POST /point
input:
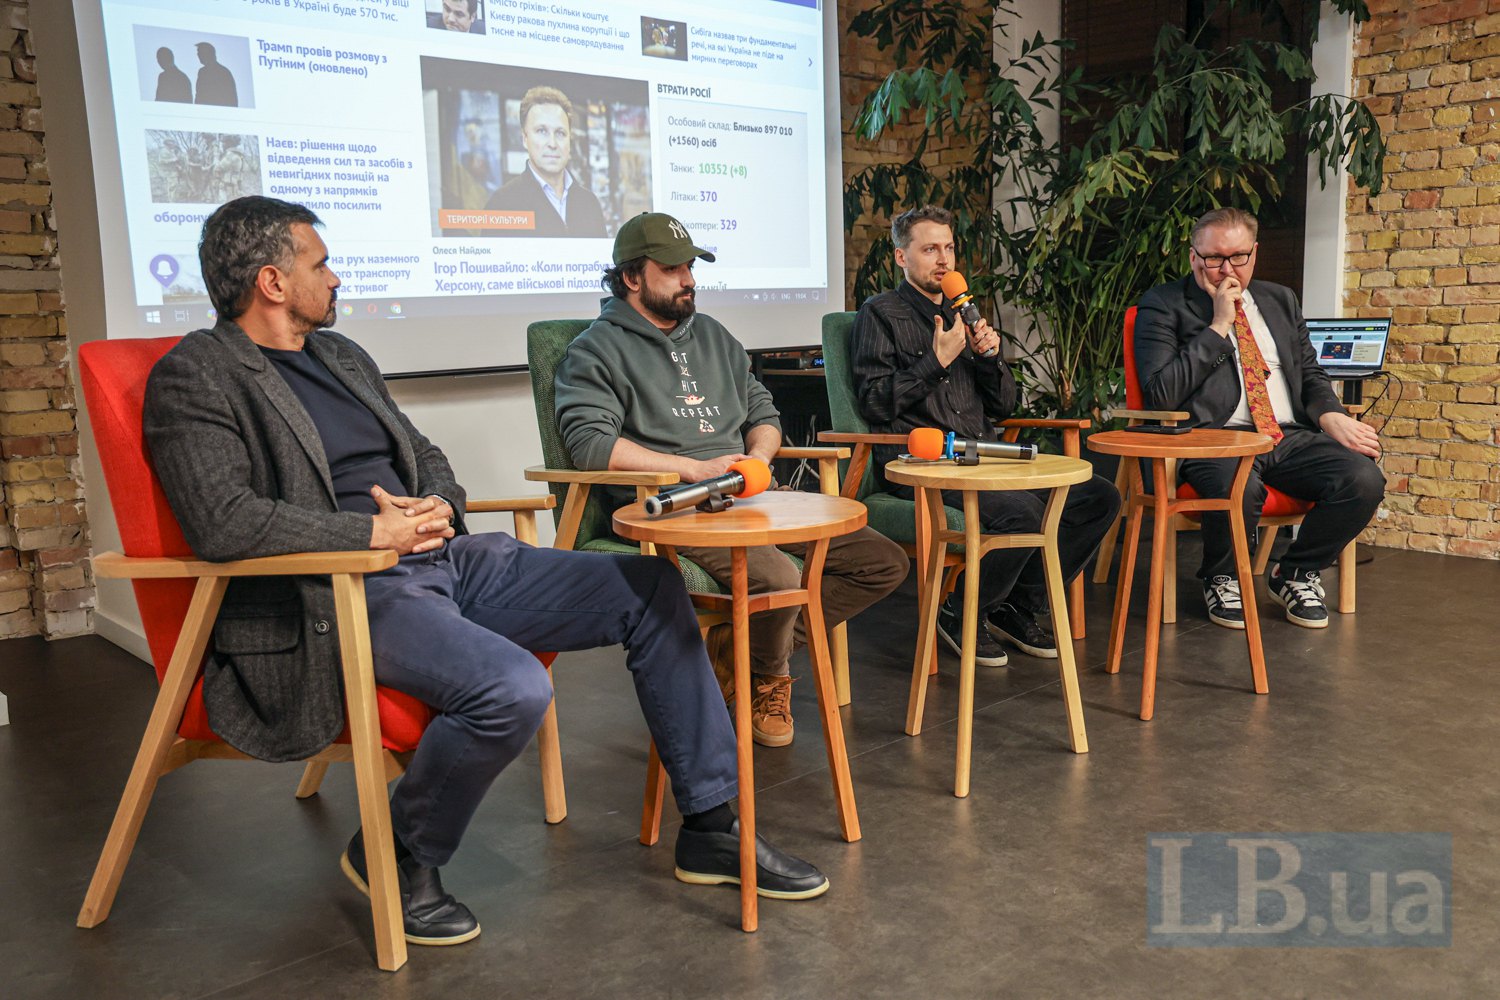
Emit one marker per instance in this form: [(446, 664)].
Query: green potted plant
[(1070, 235)]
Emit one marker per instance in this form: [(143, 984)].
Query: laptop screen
[(1349, 345)]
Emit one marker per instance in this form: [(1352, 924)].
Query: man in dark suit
[(458, 15), (215, 81), (560, 205), (272, 434), (1235, 353), (172, 84)]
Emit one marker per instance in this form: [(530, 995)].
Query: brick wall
[(1427, 252), (45, 583), (862, 66)]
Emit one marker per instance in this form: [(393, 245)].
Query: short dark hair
[(545, 95), (614, 277), (1226, 218), (902, 224), (240, 238)]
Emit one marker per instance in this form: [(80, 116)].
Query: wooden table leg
[(828, 703), (1134, 511), (1160, 537), (740, 589), (1246, 575), (929, 595), (971, 627), (1067, 667)]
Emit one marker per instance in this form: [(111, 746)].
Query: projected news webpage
[(466, 153)]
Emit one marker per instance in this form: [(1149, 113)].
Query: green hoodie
[(688, 392)]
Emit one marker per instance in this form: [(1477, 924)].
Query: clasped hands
[(410, 524)]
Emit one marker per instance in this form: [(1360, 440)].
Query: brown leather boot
[(771, 709)]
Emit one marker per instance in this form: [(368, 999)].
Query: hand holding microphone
[(744, 478), (933, 444), (956, 287)]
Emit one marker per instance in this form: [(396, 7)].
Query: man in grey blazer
[(1235, 353), (272, 434)]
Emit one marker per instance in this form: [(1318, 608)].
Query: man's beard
[(323, 322), (930, 285), (673, 307)]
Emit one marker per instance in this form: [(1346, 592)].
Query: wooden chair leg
[(1346, 579), (1169, 575), (549, 748), (1075, 608), (656, 784), (160, 733), (312, 778), (369, 770), (1264, 546), (838, 647), (1107, 547)]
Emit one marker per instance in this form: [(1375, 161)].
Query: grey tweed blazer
[(245, 472)]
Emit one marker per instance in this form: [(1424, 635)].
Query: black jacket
[(1184, 365), (523, 193), (244, 470), (900, 385)]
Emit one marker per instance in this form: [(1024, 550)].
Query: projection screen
[(452, 221)]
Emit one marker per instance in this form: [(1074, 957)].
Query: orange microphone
[(956, 287), (933, 445), (744, 478)]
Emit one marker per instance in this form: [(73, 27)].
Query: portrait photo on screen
[(516, 152), (663, 39), (193, 67), (205, 168), (463, 16)]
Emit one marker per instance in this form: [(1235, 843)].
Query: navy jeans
[(455, 628)]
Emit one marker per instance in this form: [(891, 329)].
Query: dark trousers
[(1345, 486), (1016, 576), (455, 628)]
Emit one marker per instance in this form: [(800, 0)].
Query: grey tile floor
[(1033, 886)]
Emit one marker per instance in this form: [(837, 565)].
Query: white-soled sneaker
[(1222, 595), (1300, 592)]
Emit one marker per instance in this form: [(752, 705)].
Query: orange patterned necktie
[(1253, 365)]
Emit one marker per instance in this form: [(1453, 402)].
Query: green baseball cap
[(659, 236)]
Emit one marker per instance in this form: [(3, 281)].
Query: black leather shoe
[(714, 859), (430, 915), (1021, 629)]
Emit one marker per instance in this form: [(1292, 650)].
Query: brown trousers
[(861, 568)]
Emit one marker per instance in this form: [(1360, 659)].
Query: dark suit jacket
[(1184, 365), (245, 471), (523, 193)]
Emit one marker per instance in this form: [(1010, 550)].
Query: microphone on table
[(932, 444), (744, 478), (956, 287)]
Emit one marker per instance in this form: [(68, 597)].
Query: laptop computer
[(1349, 348)]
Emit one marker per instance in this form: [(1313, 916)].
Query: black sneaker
[(430, 915), (987, 652), (1021, 629), (1301, 593), (707, 858), (1222, 595)]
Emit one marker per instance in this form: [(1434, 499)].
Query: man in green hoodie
[(655, 386)]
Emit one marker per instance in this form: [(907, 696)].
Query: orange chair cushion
[(1277, 504)]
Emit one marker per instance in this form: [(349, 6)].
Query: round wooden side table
[(1164, 451), (774, 518), (1047, 472)]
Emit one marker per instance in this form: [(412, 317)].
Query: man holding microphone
[(918, 364)]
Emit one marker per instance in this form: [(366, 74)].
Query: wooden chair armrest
[(499, 506), (115, 566), (850, 437), (839, 453), (542, 474), (1059, 423), (1165, 416)]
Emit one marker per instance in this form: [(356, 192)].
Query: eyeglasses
[(1213, 261)]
